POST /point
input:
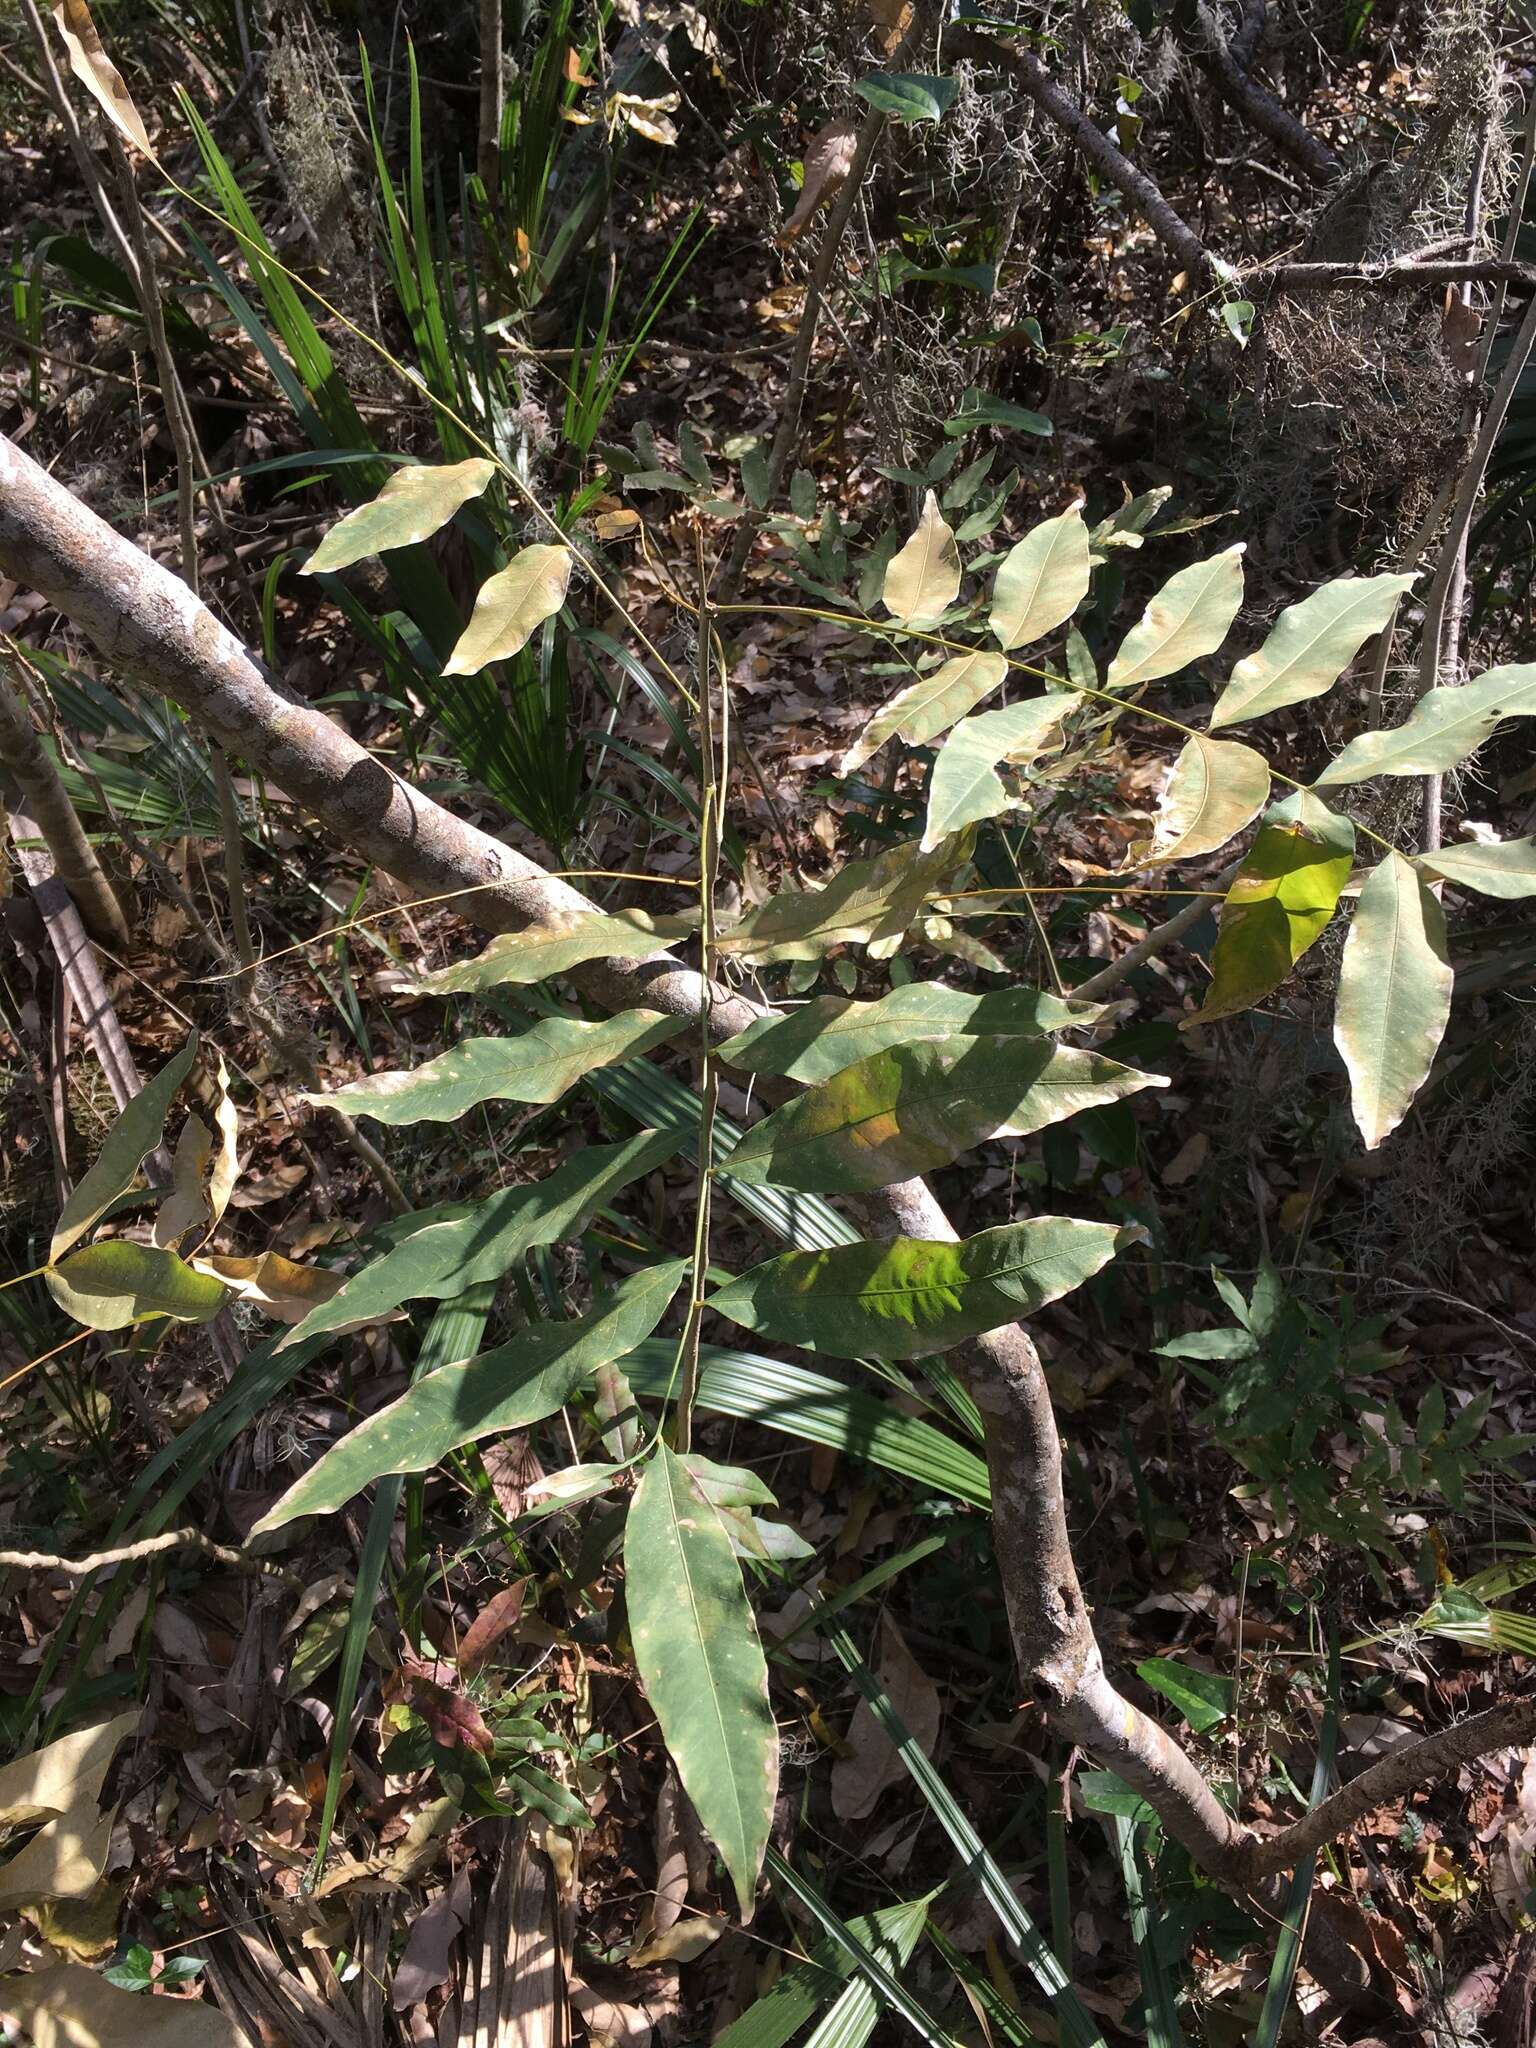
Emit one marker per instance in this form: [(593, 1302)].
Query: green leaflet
[(112, 1284), (1041, 581), (1442, 728), (701, 1663), (479, 1241), (817, 1410), (1394, 995), (915, 1107), (136, 1132), (928, 707), (536, 1064), (868, 901), (964, 787), (908, 1296), (1281, 902), (922, 579), (823, 1037), (1189, 617), (908, 96), (1506, 869), (414, 503), (1204, 1698), (1310, 646), (517, 1384), (1216, 788), (794, 1999), (541, 950), (511, 604)]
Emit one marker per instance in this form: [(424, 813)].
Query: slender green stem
[(714, 766), (1028, 668)]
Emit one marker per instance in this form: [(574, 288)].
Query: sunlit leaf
[(541, 950), (511, 604), (1189, 618), (62, 1775), (536, 1064), (916, 1107), (1204, 1698), (867, 901), (226, 1165), (824, 1036), (414, 504), (1507, 868), (1283, 898), (923, 578), (1042, 580), (965, 786), (473, 1241), (908, 1296), (112, 1284), (89, 61), (286, 1290), (71, 2006), (1443, 728), (908, 96), (701, 1663), (1394, 995), (136, 1132), (1310, 646), (1216, 788), (517, 1384), (926, 708)]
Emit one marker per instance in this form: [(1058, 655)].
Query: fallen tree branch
[(151, 1546), (1510, 1725), (1058, 105), (1403, 273), (26, 760), (1227, 63)]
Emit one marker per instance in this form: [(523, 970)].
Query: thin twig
[(150, 1546)]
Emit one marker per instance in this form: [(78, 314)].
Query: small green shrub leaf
[(511, 1387), (908, 96), (535, 1064), (511, 604), (1394, 995), (1507, 868), (1310, 646), (114, 1283), (914, 1108), (136, 1132), (1443, 728), (926, 708), (1204, 1698), (1216, 788), (965, 786), (908, 1296), (701, 1663), (1281, 902), (471, 1241), (538, 951), (413, 505), (813, 1043), (923, 579), (1189, 618), (1042, 580), (866, 902)]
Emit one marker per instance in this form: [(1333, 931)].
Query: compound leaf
[(413, 505), (1216, 788), (511, 604), (965, 787), (930, 706), (538, 951), (1443, 728), (1189, 617), (1042, 580), (1310, 646), (923, 578)]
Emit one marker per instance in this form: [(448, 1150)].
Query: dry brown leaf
[(859, 1778), (828, 160), (428, 1958), (98, 74), (501, 1612), (681, 1942), (73, 2007), (286, 1291)]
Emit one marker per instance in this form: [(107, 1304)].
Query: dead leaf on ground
[(428, 1958), (874, 1765)]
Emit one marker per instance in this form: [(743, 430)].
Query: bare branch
[(1402, 274), (1233, 79), (1510, 1725)]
